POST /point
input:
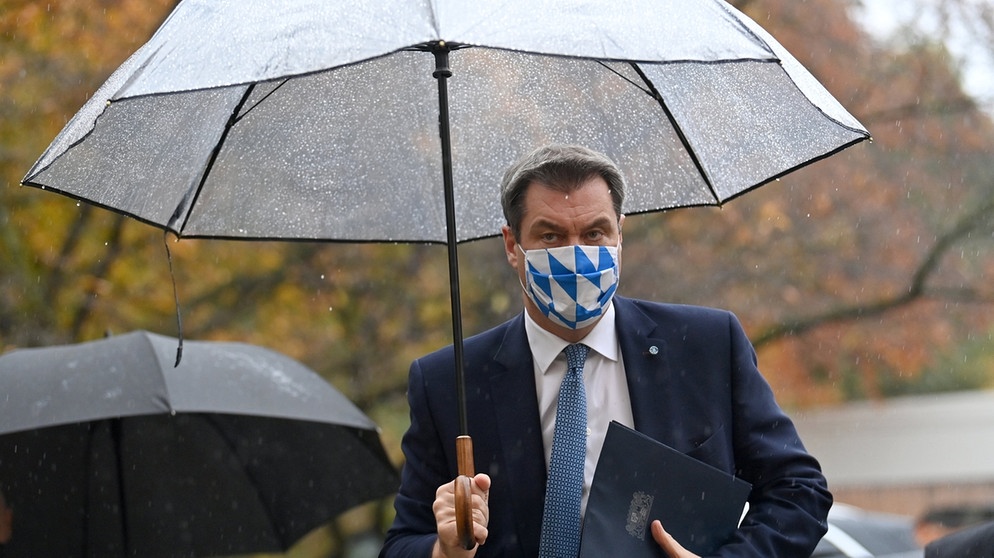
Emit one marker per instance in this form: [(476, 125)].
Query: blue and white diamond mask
[(571, 285)]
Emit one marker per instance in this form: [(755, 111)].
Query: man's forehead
[(593, 182)]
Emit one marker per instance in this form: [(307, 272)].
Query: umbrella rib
[(166, 400), (260, 101), (211, 419), (185, 206), (628, 79), (115, 435), (654, 93), (88, 465), (113, 427)]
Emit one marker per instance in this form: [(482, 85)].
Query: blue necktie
[(561, 517)]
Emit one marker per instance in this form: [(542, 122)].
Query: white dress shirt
[(604, 383)]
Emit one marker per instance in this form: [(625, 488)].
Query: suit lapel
[(512, 386), (646, 353)]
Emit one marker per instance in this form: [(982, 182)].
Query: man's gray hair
[(560, 167)]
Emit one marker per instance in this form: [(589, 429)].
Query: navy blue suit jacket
[(699, 392)]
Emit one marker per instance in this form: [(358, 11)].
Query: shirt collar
[(546, 346)]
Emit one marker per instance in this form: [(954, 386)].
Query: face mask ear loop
[(525, 256)]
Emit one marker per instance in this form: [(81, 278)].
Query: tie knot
[(576, 355)]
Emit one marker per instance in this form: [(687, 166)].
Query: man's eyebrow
[(547, 224), (600, 222)]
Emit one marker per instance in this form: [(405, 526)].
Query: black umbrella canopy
[(318, 120), (134, 374), (106, 449)]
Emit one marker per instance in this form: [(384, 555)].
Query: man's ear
[(509, 246)]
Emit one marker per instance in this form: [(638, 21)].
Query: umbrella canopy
[(266, 119), (317, 120), (106, 449)]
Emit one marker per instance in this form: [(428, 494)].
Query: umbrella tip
[(179, 353)]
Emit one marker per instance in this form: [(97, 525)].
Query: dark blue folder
[(638, 480)]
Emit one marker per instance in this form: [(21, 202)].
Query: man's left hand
[(668, 543)]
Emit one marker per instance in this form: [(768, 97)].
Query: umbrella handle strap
[(464, 492)]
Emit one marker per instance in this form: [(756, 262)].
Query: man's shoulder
[(498, 332), (669, 310), (486, 340)]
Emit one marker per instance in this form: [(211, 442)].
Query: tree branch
[(916, 287), (57, 274), (99, 271)]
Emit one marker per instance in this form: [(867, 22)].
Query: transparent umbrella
[(393, 121)]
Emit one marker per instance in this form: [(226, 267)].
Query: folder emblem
[(638, 514)]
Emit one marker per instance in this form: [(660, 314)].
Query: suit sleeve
[(414, 532), (790, 500)]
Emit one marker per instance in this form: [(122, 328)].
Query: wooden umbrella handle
[(464, 491)]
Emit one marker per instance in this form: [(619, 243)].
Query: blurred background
[(863, 280)]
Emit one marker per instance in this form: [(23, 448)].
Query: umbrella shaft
[(442, 73)]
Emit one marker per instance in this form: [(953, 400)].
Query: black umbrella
[(106, 449), (317, 120)]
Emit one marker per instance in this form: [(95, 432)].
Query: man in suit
[(684, 375)]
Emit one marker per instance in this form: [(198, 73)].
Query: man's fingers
[(668, 543), (662, 538), (482, 480), (481, 508), (445, 512)]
